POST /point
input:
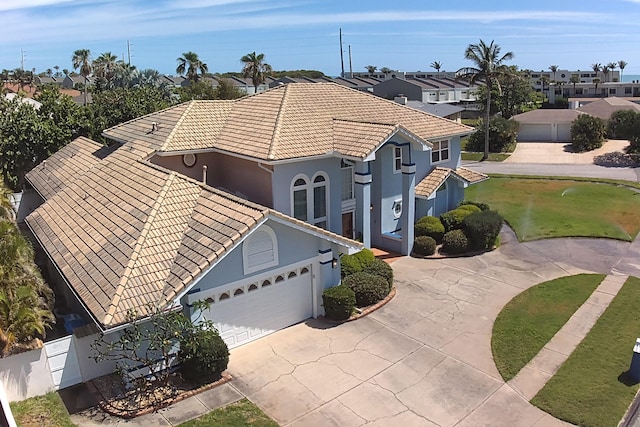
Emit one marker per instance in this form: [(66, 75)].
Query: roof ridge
[(276, 127), (111, 312), (176, 126)]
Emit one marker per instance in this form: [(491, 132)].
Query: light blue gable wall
[(454, 155), (283, 175)]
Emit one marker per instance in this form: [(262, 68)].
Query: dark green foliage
[(561, 103), (453, 219), (350, 264), (502, 135), (369, 288), (587, 133), (430, 226), (203, 353), (482, 229), (624, 124), (455, 242), (424, 245), (338, 302), (382, 269), (481, 205)]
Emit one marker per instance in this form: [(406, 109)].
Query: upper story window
[(320, 201), (310, 199), (346, 170), (300, 199), (440, 151), (397, 159), (260, 250)]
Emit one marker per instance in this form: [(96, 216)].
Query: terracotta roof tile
[(430, 184), (472, 177)]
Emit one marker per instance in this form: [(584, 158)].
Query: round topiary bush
[(203, 353), (369, 288), (430, 226), (424, 245), (587, 133), (482, 229), (338, 302), (453, 219), (481, 205), (455, 242), (382, 269), (350, 264)]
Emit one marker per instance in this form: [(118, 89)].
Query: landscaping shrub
[(453, 219), (424, 245), (482, 206), (455, 242), (382, 269), (502, 136), (203, 353), (338, 302), (430, 226), (624, 124), (368, 288), (350, 264), (482, 229), (587, 133)]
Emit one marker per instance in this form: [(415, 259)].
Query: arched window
[(260, 250), (320, 194), (299, 197), (309, 199)]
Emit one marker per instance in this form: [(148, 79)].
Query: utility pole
[(341, 55), (128, 53), (22, 59), (350, 66)]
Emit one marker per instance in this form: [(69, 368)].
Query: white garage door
[(250, 310), (534, 133), (564, 132)]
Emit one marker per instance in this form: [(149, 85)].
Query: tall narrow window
[(309, 200), (300, 199), (347, 180), (320, 201), (397, 159)]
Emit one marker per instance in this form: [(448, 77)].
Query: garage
[(531, 132), (564, 132), (545, 125), (251, 309)]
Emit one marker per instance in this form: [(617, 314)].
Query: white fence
[(60, 363)]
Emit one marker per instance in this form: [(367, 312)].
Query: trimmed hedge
[(424, 245), (382, 269), (350, 264), (455, 242), (430, 226), (453, 219), (204, 355), (482, 206), (369, 288), (482, 229), (338, 302)]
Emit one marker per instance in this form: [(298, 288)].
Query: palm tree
[(82, 60), (57, 68), (105, 65), (190, 63), (436, 65), (371, 69), (256, 68), (573, 80), (65, 72), (612, 66), (605, 71), (386, 71), (544, 80), (49, 72), (489, 66), (596, 81), (553, 69), (596, 68), (621, 64)]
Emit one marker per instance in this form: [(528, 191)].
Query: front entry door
[(347, 224)]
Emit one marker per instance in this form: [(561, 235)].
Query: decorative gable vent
[(260, 250)]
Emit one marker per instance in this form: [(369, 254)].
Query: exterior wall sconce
[(334, 263)]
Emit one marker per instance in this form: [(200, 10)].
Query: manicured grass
[(533, 317), (242, 413), (619, 182), (539, 208), (587, 390), (41, 411), (493, 157)]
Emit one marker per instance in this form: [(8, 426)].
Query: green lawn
[(533, 317), (539, 209), (41, 411), (242, 413), (493, 157), (587, 390)]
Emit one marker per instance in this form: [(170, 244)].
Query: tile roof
[(132, 236), (430, 184), (287, 122), (603, 108), (66, 165), (546, 115)]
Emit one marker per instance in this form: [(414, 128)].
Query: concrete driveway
[(424, 359), (560, 153)]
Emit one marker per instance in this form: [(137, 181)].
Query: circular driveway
[(425, 358)]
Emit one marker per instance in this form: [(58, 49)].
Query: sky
[(406, 35)]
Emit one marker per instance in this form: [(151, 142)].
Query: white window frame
[(309, 188), (437, 149), (295, 188), (347, 167), (248, 267), (397, 204), (397, 159)]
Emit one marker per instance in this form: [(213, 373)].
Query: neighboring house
[(546, 125), (72, 82), (364, 84), (448, 111), (35, 104), (429, 90), (45, 80), (173, 81), (603, 108), (247, 203)]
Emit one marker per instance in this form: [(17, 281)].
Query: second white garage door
[(534, 133), (252, 309)]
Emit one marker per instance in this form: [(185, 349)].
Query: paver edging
[(364, 312)]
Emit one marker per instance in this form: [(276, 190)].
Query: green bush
[(502, 135), (624, 124), (482, 206), (587, 133), (424, 245), (430, 226), (350, 264), (203, 353), (453, 219), (382, 269), (455, 242), (369, 288), (338, 302), (482, 229)]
